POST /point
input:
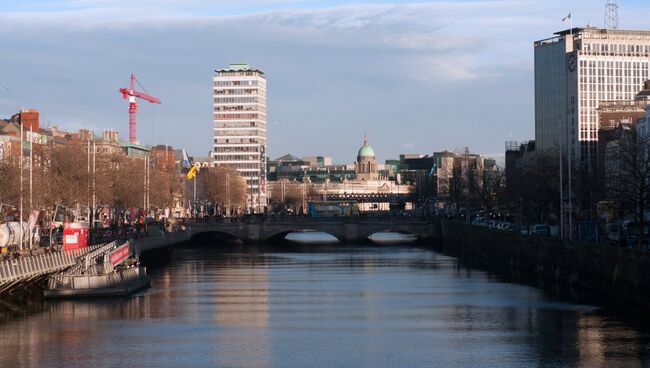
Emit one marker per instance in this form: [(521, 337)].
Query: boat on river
[(121, 282)]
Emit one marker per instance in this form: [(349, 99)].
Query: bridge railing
[(90, 258), (303, 219), (27, 267)]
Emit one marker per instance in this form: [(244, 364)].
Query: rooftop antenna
[(611, 14)]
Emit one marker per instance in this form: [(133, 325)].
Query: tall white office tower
[(574, 71), (240, 127)]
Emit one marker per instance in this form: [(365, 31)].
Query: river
[(324, 306)]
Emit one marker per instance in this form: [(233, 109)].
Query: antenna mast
[(611, 14)]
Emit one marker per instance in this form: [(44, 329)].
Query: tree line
[(63, 174)]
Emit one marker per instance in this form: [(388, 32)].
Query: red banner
[(119, 254)]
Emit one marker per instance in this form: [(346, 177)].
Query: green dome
[(366, 151)]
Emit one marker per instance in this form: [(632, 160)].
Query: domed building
[(366, 166)]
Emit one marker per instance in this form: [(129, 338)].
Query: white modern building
[(240, 127), (574, 71)]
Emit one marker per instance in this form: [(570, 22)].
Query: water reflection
[(311, 237), (389, 237), (344, 306)]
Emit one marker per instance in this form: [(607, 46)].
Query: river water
[(326, 306)]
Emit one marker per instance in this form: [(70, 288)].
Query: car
[(614, 233), (540, 230), (631, 234), (479, 221)]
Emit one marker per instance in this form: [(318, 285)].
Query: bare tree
[(540, 187), (628, 175), (225, 187), (491, 187), (9, 185)]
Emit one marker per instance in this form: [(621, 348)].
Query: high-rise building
[(240, 127), (574, 71)]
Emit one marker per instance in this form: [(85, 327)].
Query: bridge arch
[(213, 234)]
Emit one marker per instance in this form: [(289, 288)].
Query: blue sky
[(417, 76)]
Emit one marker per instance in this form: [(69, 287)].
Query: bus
[(333, 208)]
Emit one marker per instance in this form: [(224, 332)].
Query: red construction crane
[(131, 94)]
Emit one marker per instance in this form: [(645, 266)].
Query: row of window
[(237, 157), (240, 133), (613, 64), (221, 149), (245, 91), (238, 99), (236, 116), (616, 48), (236, 140), (588, 135), (610, 82), (261, 109), (250, 73), (222, 83), (240, 124), (252, 167)]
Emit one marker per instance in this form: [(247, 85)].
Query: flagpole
[(31, 173), (569, 153), (569, 149), (94, 172)]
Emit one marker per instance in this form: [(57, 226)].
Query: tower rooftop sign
[(239, 67)]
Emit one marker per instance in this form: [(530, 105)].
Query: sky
[(416, 77)]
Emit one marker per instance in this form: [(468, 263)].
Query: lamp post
[(20, 220)]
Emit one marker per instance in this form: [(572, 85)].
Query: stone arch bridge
[(349, 230)]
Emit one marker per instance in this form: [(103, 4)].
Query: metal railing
[(90, 258), (113, 279), (28, 267)]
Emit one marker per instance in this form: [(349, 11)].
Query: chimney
[(111, 136)]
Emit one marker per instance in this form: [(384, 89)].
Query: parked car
[(615, 234), (631, 233), (480, 221), (540, 230)]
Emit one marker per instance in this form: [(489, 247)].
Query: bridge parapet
[(346, 229)]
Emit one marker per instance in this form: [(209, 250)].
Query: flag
[(192, 173), (432, 171), (566, 18)]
